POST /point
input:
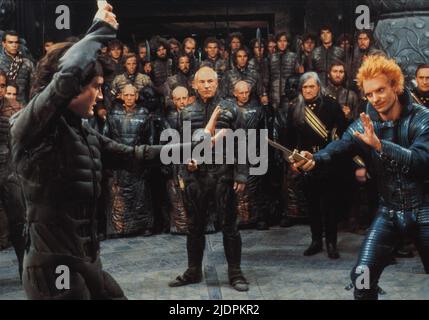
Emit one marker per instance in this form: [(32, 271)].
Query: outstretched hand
[(105, 13), (369, 136), (211, 124)]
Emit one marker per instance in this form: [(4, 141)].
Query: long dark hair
[(48, 66)]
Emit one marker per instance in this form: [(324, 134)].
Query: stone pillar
[(402, 30)]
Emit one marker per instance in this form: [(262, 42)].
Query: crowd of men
[(303, 92)]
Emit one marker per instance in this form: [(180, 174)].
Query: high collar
[(3, 50), (72, 119), (210, 101), (421, 93), (333, 86), (315, 101)]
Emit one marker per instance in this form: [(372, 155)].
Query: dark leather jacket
[(340, 93), (423, 97), (401, 166), (198, 113), (322, 58), (281, 67), (23, 78), (60, 161), (162, 69), (235, 75), (179, 79), (219, 65)]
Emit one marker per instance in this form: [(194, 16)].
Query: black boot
[(190, 276), (286, 222), (237, 279), (332, 250), (314, 248), (195, 248), (262, 225)]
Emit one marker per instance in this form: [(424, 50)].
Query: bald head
[(205, 83), (180, 97), (242, 92), (129, 95)]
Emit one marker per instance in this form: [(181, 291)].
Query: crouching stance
[(393, 139)]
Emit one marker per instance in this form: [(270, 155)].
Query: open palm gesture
[(369, 136)]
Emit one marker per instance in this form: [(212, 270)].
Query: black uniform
[(60, 164), (235, 75), (344, 97), (253, 203), (322, 58), (219, 65), (211, 186), (317, 185), (132, 212), (11, 201), (261, 67), (162, 69), (180, 79), (282, 66), (423, 97), (157, 177)]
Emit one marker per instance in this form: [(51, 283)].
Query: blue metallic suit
[(401, 170)]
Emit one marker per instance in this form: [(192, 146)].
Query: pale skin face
[(161, 52), (11, 92), (363, 41), (142, 53), (116, 53), (422, 80), (337, 75), (83, 105), (212, 50), (184, 64), (130, 97), (11, 45), (258, 51), (272, 47), (180, 98), (131, 65), (205, 83), (189, 47), (147, 67), (326, 37), (282, 43), (242, 93), (310, 89), (242, 59), (126, 50), (235, 44), (383, 97), (308, 46), (174, 48)]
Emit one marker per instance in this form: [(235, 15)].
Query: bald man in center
[(212, 186)]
